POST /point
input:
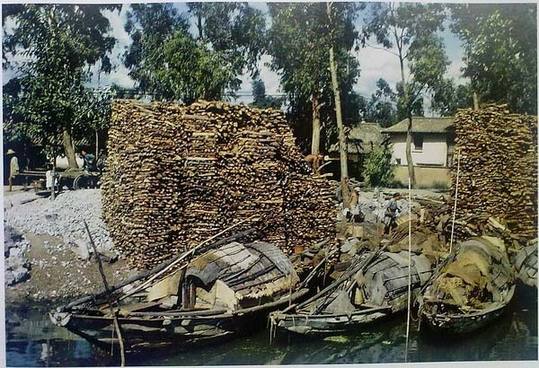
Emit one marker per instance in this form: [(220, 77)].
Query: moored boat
[(374, 287), (220, 293), (525, 262), (472, 287)]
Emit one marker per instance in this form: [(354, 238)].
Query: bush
[(378, 169)]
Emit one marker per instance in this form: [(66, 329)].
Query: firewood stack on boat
[(177, 174), (497, 173)]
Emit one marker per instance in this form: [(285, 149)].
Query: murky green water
[(33, 341)]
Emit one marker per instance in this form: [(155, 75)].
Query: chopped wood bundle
[(498, 171), (176, 175)]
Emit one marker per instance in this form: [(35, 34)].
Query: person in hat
[(13, 167), (390, 216)]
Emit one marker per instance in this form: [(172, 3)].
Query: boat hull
[(320, 324), (178, 330), (458, 324)]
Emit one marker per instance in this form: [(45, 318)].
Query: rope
[(455, 205), (409, 266)]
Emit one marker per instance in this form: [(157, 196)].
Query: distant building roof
[(423, 125), (361, 138)]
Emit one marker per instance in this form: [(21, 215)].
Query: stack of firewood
[(498, 171), (177, 175)]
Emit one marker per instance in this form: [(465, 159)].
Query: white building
[(433, 140)]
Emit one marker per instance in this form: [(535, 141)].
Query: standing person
[(13, 167), (390, 217), (101, 160), (89, 161)]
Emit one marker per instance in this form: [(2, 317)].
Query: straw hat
[(10, 152)]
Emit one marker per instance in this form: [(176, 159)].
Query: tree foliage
[(234, 29), (500, 45), (299, 41), (410, 29), (381, 107), (168, 62), (260, 99), (59, 44), (450, 97), (378, 170)]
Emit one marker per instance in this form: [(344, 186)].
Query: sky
[(374, 63)]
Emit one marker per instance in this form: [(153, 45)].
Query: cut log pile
[(177, 175), (498, 171)]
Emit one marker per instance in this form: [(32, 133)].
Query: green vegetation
[(500, 44), (56, 52), (411, 29), (378, 170)]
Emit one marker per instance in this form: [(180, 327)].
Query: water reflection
[(33, 341)]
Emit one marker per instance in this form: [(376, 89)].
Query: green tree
[(381, 108), (299, 42), (260, 99), (378, 170), (449, 98), (411, 29), (500, 45), (168, 62), (235, 29), (59, 44)]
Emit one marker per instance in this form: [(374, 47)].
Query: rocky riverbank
[(47, 253)]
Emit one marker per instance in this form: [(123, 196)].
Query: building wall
[(434, 150), (425, 176)]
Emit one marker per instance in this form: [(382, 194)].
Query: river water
[(33, 341)]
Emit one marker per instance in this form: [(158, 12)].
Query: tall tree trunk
[(96, 144), (199, 24), (315, 143), (409, 160), (408, 106), (340, 126), (343, 153), (475, 101), (69, 150)]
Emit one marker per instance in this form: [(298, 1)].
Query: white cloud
[(375, 64), (119, 74)]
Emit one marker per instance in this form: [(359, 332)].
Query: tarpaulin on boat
[(241, 273), (479, 273)]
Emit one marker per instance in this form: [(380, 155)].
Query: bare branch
[(382, 48)]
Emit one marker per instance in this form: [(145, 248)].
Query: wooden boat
[(374, 287), (218, 294), (525, 262), (471, 287)]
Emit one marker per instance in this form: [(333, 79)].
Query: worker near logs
[(13, 167), (314, 161), (390, 216), (89, 161)]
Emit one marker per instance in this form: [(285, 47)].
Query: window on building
[(398, 161), (418, 142)]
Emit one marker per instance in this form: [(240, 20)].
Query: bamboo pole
[(455, 205), (409, 266), (109, 296)]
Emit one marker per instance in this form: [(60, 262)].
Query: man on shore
[(89, 161), (13, 167), (390, 217)]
